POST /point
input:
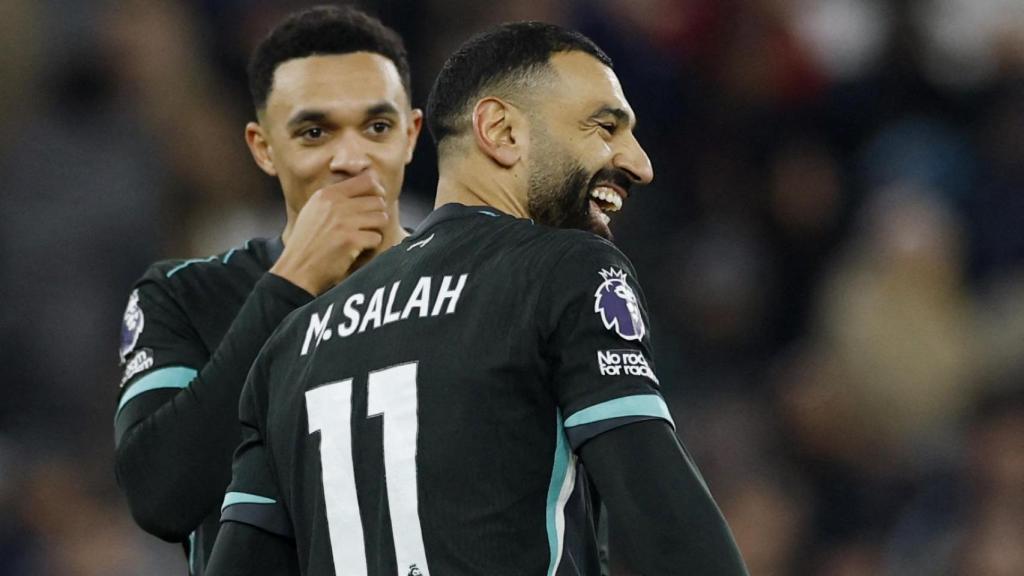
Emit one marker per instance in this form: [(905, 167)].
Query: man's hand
[(338, 224)]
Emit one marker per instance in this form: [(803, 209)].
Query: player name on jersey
[(430, 297)]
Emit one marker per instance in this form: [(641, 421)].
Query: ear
[(260, 148), (413, 132), (497, 128)]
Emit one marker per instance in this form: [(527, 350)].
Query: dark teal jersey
[(177, 314), (424, 416), (189, 335)]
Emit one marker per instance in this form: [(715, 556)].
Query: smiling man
[(335, 126), (461, 405)]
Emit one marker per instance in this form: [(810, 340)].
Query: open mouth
[(607, 199)]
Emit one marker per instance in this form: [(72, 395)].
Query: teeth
[(608, 196), (605, 219)]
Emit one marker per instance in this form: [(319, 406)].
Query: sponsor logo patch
[(131, 327), (618, 305), (625, 362), (140, 362)]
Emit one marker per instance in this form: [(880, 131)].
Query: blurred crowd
[(832, 250)]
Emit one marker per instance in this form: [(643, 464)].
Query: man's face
[(583, 155), (329, 118)]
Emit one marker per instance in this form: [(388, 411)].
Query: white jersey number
[(391, 393)]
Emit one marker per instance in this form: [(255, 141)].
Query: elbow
[(153, 507), (162, 526)]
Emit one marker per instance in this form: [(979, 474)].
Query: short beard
[(559, 193), (560, 198)]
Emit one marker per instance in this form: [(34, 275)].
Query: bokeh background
[(832, 250)]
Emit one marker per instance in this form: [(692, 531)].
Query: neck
[(482, 188), (289, 223)]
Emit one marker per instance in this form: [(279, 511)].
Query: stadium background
[(833, 253)]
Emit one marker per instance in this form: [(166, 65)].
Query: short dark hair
[(323, 30), (503, 58)]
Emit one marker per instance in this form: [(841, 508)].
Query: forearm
[(661, 511), (242, 550), (174, 461)]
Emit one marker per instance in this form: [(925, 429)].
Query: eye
[(608, 127), (312, 134), (379, 127)]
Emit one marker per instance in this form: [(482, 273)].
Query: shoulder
[(590, 273), (581, 244), (538, 245), (240, 265), (196, 299), (539, 259), (574, 255)]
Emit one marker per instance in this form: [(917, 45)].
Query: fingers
[(363, 204), (361, 242), (323, 213), (375, 220), (365, 184), (367, 239), (340, 224)]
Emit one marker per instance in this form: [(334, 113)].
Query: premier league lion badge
[(131, 327), (618, 305)]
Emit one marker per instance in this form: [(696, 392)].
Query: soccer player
[(336, 127), (459, 405)]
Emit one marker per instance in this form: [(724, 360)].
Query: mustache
[(615, 176)]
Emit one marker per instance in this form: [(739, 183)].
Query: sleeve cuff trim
[(171, 377), (650, 405), (232, 498)]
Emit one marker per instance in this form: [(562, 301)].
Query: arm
[(607, 388), (242, 550), (256, 534), (174, 446), (660, 507)]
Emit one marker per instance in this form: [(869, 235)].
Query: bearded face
[(564, 195)]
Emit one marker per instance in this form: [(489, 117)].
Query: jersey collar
[(275, 247), (454, 211)]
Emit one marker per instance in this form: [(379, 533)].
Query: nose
[(349, 155), (633, 160)]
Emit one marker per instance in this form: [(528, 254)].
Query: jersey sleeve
[(244, 551), (604, 375), (253, 496), (177, 427), (651, 485), (159, 349)]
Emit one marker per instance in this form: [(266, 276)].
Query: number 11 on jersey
[(391, 393)]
